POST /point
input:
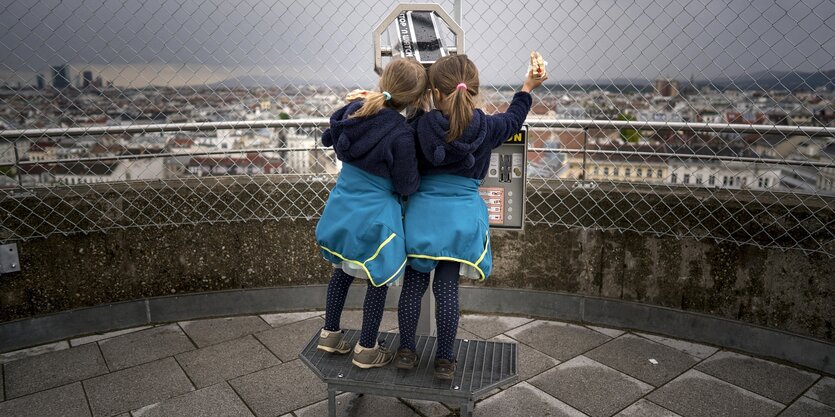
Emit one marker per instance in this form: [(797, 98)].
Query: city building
[(60, 76), (87, 79), (666, 87)]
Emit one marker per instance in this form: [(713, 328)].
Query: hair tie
[(461, 86), (387, 95)]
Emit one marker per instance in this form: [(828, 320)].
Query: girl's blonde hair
[(404, 80), (446, 74)]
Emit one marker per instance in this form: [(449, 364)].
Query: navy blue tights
[(372, 307), (445, 288)]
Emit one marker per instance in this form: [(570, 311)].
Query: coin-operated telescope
[(421, 31)]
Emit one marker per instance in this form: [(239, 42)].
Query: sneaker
[(332, 342), (405, 359), (444, 369), (375, 357)]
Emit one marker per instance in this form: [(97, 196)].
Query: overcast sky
[(196, 41)]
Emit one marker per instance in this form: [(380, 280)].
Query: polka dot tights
[(372, 308), (445, 288)]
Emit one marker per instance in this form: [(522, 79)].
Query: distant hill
[(763, 80), (256, 81), (781, 80)]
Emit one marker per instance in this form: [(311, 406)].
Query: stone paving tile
[(214, 401), (428, 408), (607, 331), (823, 391), (524, 400), (486, 327), (287, 341), (33, 351), (558, 340), (102, 336), (2, 385), (280, 389), (352, 319), (66, 401), (321, 408), (693, 349), (462, 334), (136, 387), (807, 407), (209, 332), (631, 354), (53, 369), (531, 362), (280, 319), (224, 361), (775, 381), (590, 386), (144, 346), (696, 394), (644, 408)]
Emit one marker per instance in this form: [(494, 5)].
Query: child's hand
[(536, 73), (356, 95)]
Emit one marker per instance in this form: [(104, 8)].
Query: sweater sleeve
[(327, 135), (503, 125), (404, 166)]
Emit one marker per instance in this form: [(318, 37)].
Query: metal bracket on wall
[(9, 260)]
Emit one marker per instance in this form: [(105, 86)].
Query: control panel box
[(503, 189)]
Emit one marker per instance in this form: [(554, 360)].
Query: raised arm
[(503, 125)]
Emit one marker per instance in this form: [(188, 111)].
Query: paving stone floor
[(245, 366)]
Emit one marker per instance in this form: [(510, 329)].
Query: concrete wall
[(783, 290)]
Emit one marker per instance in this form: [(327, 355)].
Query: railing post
[(585, 140), (17, 165)]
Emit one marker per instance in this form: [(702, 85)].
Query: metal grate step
[(481, 367)]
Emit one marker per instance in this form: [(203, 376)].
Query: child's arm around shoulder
[(342, 113), (404, 165)]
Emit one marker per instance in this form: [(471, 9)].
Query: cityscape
[(663, 157)]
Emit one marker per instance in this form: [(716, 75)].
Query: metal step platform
[(481, 367)]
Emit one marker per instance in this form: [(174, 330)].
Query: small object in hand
[(536, 68), (357, 94)]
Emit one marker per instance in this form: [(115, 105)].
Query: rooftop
[(248, 365)]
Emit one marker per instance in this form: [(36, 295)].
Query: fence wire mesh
[(704, 119)]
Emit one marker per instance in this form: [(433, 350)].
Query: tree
[(629, 135)]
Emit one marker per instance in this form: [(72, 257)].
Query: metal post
[(426, 323), (456, 11), (585, 137), (17, 166), (331, 402)]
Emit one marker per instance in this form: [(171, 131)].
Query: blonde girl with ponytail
[(361, 228), (446, 221)]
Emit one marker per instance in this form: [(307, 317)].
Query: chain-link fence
[(702, 119)]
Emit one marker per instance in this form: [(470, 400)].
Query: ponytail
[(402, 83), (461, 109), (373, 103), (456, 77)]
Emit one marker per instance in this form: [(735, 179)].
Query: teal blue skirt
[(446, 220), (362, 225)]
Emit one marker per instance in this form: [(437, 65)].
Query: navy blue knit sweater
[(469, 155), (383, 145)]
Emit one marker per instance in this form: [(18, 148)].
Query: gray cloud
[(327, 41)]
